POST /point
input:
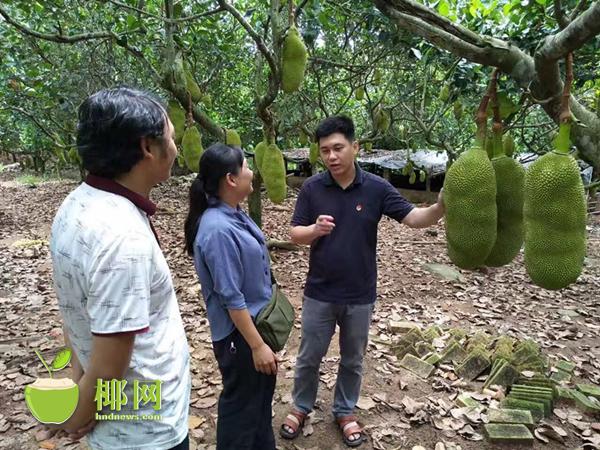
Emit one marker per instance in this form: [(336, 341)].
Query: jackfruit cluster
[(259, 154), (273, 173), (232, 138), (177, 116), (294, 57), (555, 214), (381, 119), (510, 191), (470, 203), (313, 155), (192, 148)]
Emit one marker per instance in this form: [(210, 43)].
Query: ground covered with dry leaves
[(398, 409)]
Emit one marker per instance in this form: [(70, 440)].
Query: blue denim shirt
[(232, 263)]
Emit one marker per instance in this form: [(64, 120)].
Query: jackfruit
[(273, 173), (74, 157), (381, 120), (177, 116), (303, 138), (192, 148), (413, 177), (192, 87), (510, 185), (457, 109), (207, 100), (555, 216), (509, 145), (445, 93), (259, 154), (360, 93), (377, 77), (470, 202), (314, 153), (368, 146), (232, 138), (422, 176), (294, 57)]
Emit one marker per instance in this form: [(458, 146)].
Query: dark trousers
[(244, 421), (184, 445)]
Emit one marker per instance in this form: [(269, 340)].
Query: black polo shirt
[(343, 266)]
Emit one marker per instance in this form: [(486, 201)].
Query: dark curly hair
[(111, 124)]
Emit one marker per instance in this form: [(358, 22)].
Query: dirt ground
[(566, 324)]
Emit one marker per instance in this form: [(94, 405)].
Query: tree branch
[(58, 37), (165, 19), (540, 76), (559, 15), (260, 44), (573, 37)]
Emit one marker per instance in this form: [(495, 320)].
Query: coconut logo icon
[(53, 400)]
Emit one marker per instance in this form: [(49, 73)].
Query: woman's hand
[(265, 361)]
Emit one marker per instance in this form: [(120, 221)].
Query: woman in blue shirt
[(232, 263)]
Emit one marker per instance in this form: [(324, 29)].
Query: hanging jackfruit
[(555, 217), (232, 138), (314, 153), (273, 173), (510, 185), (457, 109), (192, 148), (360, 93), (259, 154), (413, 177), (177, 116), (470, 202), (422, 176), (381, 120), (207, 100), (303, 138), (377, 77), (192, 87), (369, 146), (509, 145), (294, 57), (445, 93)]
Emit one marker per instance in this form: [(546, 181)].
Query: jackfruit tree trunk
[(539, 74)]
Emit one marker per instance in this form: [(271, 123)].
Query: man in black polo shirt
[(337, 213)]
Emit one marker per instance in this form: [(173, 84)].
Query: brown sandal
[(349, 427), (294, 421)]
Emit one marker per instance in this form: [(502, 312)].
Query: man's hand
[(76, 435), (265, 361), (324, 225)]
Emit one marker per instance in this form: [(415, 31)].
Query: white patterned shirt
[(111, 276)]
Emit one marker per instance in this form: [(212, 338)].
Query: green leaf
[(444, 8), (61, 359), (541, 2)]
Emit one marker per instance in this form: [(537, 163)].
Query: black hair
[(215, 163), (111, 124), (335, 124)]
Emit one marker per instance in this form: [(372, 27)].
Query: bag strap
[(273, 280)]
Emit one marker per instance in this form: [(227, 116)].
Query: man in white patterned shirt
[(112, 281)]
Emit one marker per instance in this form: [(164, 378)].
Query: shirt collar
[(108, 185), (328, 180)]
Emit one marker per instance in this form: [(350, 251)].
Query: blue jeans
[(318, 325)]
